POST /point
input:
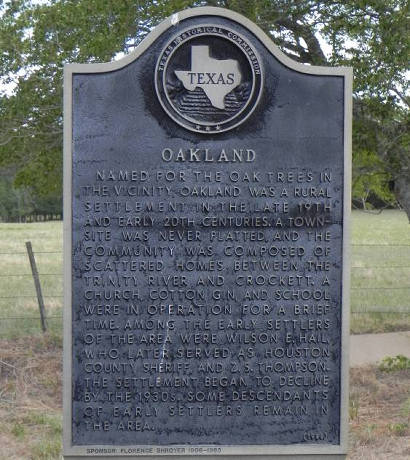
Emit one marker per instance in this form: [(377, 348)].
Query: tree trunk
[(402, 192)]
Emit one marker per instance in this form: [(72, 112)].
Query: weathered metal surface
[(207, 248)]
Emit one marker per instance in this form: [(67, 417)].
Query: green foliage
[(17, 203), (353, 407), (371, 179), (399, 429), (393, 364), (18, 431), (52, 422), (47, 449), (405, 409), (369, 35), (14, 202), (381, 152)]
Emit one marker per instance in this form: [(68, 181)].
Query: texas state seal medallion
[(209, 79)]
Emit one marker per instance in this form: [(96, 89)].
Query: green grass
[(46, 240), (380, 260), (51, 422), (18, 431), (46, 449), (380, 281)]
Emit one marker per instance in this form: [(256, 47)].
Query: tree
[(381, 153), (15, 203), (370, 35)]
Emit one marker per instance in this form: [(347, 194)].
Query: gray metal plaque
[(207, 186)]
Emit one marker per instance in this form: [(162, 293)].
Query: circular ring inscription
[(209, 79)]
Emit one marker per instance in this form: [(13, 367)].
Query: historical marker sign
[(207, 186)]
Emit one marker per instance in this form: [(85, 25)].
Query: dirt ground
[(30, 405), (30, 399), (379, 414)]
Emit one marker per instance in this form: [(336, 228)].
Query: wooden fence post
[(37, 284)]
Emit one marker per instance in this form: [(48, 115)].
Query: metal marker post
[(37, 284)]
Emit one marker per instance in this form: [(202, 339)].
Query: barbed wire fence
[(387, 295), (36, 311), (23, 312)]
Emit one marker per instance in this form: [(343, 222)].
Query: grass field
[(380, 281), (380, 260), (17, 291)]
